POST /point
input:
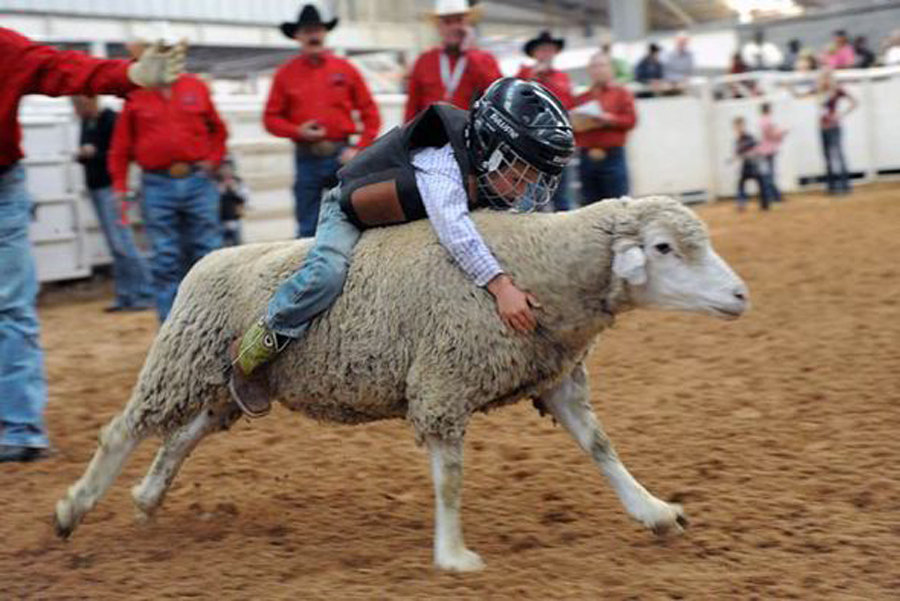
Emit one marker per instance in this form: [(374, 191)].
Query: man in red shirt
[(455, 72), (602, 118), (543, 49), (311, 102), (30, 68), (177, 138)]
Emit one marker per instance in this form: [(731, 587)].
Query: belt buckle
[(179, 170), (597, 154)]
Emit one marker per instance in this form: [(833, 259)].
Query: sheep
[(411, 337)]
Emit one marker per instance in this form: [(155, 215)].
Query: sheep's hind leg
[(450, 552), (149, 494), (569, 403), (116, 442)]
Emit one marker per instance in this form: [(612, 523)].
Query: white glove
[(159, 65)]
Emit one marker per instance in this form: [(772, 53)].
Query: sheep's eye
[(663, 248)]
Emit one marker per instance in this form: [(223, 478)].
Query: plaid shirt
[(441, 187)]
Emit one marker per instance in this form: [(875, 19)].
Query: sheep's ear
[(629, 264)]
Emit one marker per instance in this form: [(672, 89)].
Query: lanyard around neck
[(451, 79)]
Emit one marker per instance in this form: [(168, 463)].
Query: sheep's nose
[(742, 296)]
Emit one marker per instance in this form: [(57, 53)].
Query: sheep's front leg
[(450, 552), (569, 403)]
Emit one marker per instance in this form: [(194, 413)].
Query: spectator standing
[(771, 137), (312, 102), (602, 134), (456, 72), (865, 58), (178, 139), (30, 68), (840, 54), (679, 64), (650, 70), (760, 55), (233, 197), (890, 49), (831, 96), (794, 47), (543, 49), (752, 166), (131, 276)]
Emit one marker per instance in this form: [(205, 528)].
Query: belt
[(176, 170), (598, 153), (322, 148), (5, 168)]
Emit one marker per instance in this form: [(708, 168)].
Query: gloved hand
[(159, 65)]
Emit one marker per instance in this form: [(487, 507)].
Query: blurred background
[(682, 144)]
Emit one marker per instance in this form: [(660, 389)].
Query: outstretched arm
[(440, 184)]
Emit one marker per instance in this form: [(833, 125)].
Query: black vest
[(378, 187)]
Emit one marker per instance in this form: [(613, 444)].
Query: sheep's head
[(662, 250)]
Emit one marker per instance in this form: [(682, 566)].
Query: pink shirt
[(841, 58), (771, 138)]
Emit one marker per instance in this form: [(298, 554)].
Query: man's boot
[(250, 354)]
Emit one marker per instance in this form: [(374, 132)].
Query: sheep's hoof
[(672, 523), (62, 527), (464, 561)]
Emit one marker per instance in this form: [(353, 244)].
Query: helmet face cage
[(509, 181)]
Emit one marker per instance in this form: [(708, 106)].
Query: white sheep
[(411, 337)]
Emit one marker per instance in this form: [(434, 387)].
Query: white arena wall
[(682, 146)]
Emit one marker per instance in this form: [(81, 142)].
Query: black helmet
[(518, 121)]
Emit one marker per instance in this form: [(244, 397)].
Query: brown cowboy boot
[(249, 385)]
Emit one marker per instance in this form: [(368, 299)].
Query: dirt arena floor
[(779, 433)]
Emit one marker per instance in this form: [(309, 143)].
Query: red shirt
[(426, 87), (618, 104), (30, 68), (159, 127), (555, 81), (327, 90)]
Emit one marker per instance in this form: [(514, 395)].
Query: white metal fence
[(681, 146)]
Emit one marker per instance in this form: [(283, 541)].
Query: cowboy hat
[(543, 38), (309, 15), (446, 8)]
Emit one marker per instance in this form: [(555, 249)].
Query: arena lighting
[(747, 10)]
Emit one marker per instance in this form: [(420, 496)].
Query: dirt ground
[(779, 433)]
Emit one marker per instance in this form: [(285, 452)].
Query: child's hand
[(514, 305)]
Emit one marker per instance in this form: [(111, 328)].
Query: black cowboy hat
[(309, 15), (543, 38)]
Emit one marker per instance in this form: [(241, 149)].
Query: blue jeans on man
[(181, 217), (131, 275), (603, 178), (313, 175), (837, 178), (315, 286), (23, 385)]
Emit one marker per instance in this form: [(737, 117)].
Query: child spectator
[(771, 137), (232, 202), (752, 167)]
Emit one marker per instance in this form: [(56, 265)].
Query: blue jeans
[(773, 179), (182, 222), (313, 175), (603, 178), (23, 385), (314, 287), (835, 165), (133, 283)]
